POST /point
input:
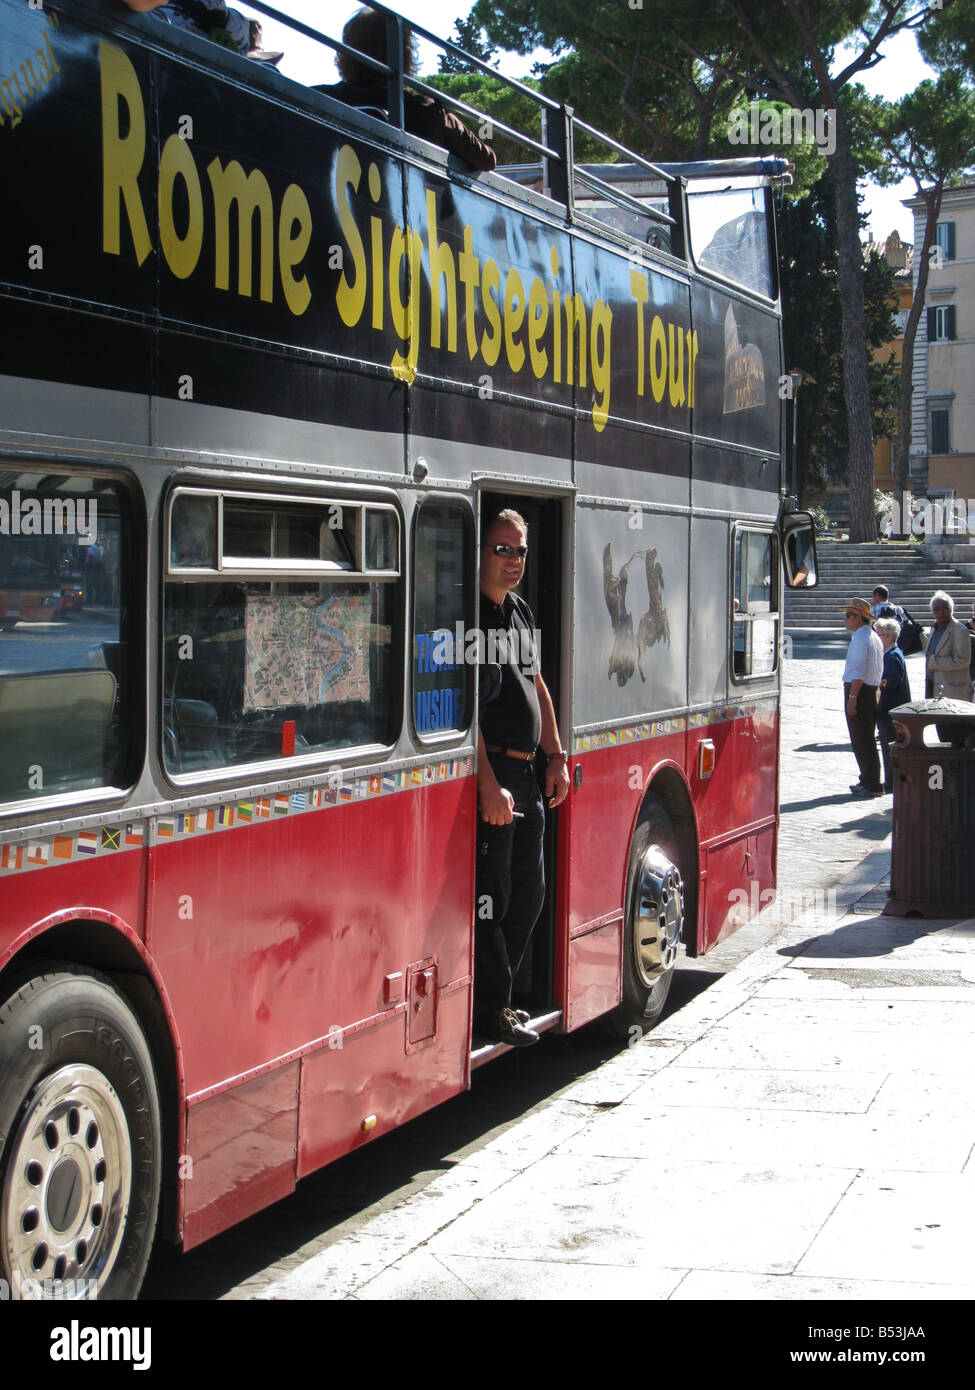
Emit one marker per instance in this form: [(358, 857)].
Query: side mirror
[(799, 551)]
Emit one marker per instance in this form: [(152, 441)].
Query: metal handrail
[(635, 166), (539, 98), (616, 195)]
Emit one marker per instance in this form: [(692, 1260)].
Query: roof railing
[(556, 171), (393, 71)]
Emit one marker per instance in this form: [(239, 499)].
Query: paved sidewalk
[(803, 1129)]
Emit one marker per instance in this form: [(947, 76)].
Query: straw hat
[(860, 607)]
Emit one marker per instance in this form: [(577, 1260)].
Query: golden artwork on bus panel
[(558, 335), (27, 79)]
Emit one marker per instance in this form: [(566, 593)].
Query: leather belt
[(512, 753)]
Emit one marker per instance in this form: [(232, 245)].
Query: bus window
[(442, 676), (64, 692), (261, 662), (755, 605), (729, 235)]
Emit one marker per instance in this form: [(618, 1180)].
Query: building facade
[(943, 413)]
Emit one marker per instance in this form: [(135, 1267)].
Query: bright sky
[(900, 71)]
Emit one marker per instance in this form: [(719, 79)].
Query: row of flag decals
[(112, 839), (63, 849), (676, 724)]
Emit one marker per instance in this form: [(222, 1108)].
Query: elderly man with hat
[(862, 675)]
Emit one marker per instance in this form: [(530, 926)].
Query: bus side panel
[(742, 792), (601, 815), (68, 891), (282, 933), (372, 1084), (240, 1153)]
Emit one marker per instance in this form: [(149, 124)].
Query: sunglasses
[(505, 550)]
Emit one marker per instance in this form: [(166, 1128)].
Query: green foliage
[(883, 507), (498, 102), (820, 519), (949, 42)]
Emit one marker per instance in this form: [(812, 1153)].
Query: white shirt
[(865, 658)]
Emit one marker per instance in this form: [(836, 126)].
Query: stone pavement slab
[(902, 1222)]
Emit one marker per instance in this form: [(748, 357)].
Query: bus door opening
[(541, 589)]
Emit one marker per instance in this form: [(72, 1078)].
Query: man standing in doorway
[(515, 725), (862, 675)]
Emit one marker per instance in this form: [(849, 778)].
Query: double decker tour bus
[(282, 356)]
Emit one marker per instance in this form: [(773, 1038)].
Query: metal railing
[(556, 171)]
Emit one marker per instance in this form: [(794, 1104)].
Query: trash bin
[(932, 870)]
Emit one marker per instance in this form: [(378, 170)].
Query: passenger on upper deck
[(211, 19), (424, 116)]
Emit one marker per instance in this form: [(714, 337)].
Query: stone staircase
[(851, 571)]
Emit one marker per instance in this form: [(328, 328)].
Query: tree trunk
[(856, 381), (902, 439)]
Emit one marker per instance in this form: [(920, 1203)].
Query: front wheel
[(653, 923), (80, 1143)]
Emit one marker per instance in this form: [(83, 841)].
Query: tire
[(653, 924), (80, 1139)]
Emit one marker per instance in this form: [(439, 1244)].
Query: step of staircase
[(852, 571)]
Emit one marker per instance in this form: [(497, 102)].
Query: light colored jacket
[(947, 668)]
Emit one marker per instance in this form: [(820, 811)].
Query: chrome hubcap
[(658, 914), (66, 1194)]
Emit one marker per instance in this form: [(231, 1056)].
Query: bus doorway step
[(483, 1052)]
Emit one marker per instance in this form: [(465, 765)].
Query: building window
[(941, 323), (944, 236), (940, 431)]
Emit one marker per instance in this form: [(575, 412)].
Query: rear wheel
[(653, 923), (80, 1145)]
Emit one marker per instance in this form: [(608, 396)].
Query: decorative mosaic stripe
[(182, 825), (677, 724)]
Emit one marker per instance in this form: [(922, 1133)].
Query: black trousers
[(886, 736), (509, 887), (862, 727)]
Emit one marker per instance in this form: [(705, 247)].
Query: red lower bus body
[(321, 977)]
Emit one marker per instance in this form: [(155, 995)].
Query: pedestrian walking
[(883, 607), (862, 674)]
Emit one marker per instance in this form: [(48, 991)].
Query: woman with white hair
[(948, 654), (895, 690)]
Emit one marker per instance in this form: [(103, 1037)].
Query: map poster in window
[(303, 651)]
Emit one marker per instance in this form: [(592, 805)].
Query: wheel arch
[(101, 942), (667, 787)]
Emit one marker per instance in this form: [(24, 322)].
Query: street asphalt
[(802, 1129)]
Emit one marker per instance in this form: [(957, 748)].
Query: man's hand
[(495, 803), (556, 782)]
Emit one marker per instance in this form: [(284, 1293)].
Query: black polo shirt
[(512, 718)]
